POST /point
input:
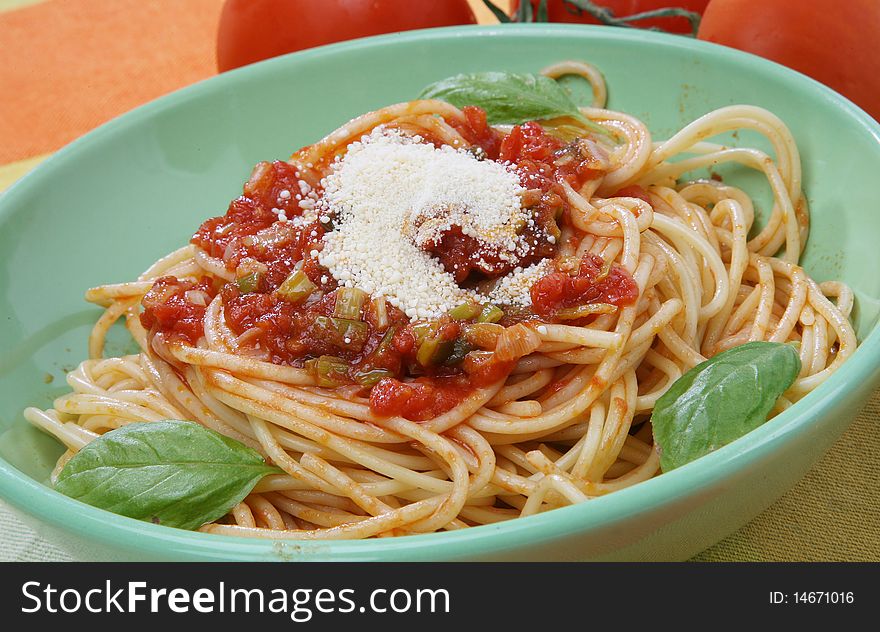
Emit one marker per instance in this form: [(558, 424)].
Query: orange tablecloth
[(70, 65)]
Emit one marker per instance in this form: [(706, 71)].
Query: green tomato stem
[(607, 17)]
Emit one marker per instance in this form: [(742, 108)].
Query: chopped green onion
[(329, 370), (354, 333), (483, 335), (422, 331), (325, 325), (386, 341), (490, 314), (296, 288), (343, 332), (465, 311), (380, 311), (582, 311), (349, 301), (248, 283), (604, 271), (434, 351), (371, 377), (427, 349), (444, 350), (460, 348)]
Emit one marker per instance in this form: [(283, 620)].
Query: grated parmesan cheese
[(513, 289), (390, 194)]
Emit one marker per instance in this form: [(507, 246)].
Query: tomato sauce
[(543, 160), (169, 308), (383, 354), (249, 236), (463, 255), (425, 398), (594, 282), (292, 333), (478, 132), (421, 399)]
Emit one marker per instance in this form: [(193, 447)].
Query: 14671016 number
[(813, 597)]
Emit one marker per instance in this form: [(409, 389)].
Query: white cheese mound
[(390, 194), (513, 288)]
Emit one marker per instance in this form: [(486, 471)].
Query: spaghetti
[(396, 414)]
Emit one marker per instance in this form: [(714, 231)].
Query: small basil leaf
[(174, 473), (721, 399), (509, 98)]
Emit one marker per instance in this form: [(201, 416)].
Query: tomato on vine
[(672, 16), (831, 41), (252, 30)]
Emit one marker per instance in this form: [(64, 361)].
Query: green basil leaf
[(508, 97), (175, 473), (721, 399)]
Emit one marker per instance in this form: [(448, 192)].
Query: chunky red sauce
[(425, 398), (249, 239), (593, 282), (542, 162), (381, 352), (421, 399), (169, 309), (478, 132), (292, 333), (463, 255)]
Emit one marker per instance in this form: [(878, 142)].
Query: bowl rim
[(97, 525)]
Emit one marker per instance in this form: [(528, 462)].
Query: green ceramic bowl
[(105, 207)]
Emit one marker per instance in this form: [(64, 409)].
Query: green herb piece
[(490, 314), (349, 301), (385, 343), (509, 97), (296, 288), (443, 352), (175, 473), (465, 311), (427, 350), (422, 331), (342, 332), (330, 371), (460, 348), (352, 333), (721, 399), (371, 377), (248, 283), (434, 351), (483, 335), (380, 312), (582, 311)]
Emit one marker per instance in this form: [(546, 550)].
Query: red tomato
[(564, 11), (251, 30), (833, 42)]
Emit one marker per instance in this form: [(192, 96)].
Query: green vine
[(526, 13)]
